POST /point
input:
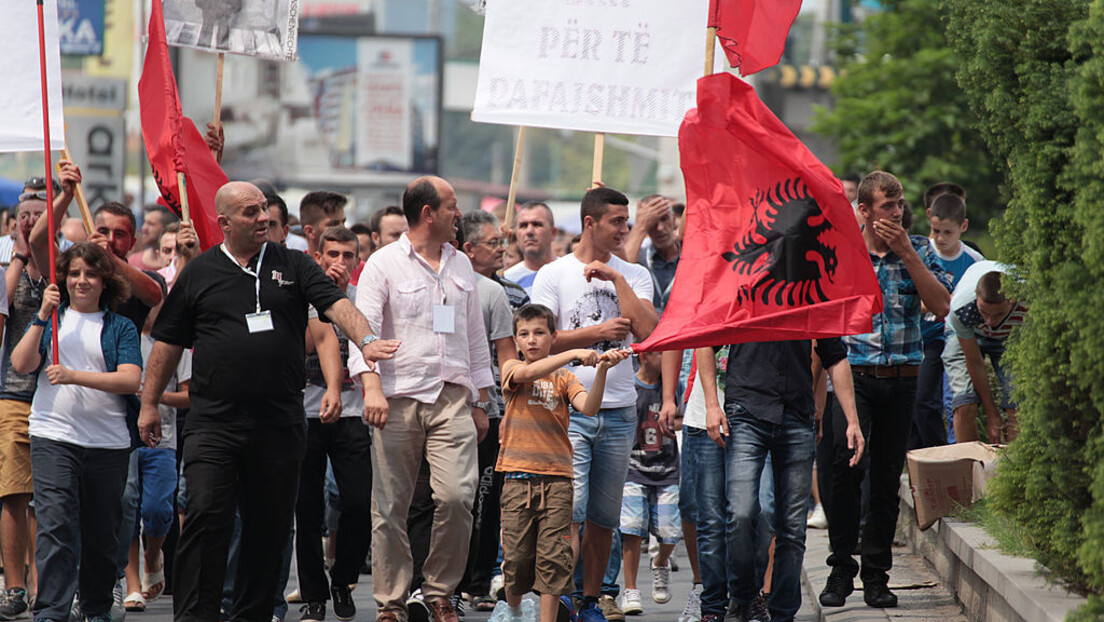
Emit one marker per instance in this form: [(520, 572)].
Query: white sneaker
[(631, 605), (661, 584), (818, 519), (692, 611)]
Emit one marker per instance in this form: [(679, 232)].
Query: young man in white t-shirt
[(601, 302)]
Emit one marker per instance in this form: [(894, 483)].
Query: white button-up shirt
[(397, 292)]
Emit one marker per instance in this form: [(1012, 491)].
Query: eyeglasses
[(496, 243), (40, 194)]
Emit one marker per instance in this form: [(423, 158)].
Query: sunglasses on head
[(39, 183), (39, 194)]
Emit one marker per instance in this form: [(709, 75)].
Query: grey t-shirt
[(498, 320)]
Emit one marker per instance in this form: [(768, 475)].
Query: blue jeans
[(157, 474), (77, 492), (791, 448), (735, 517)]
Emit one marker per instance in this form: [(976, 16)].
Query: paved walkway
[(921, 596)]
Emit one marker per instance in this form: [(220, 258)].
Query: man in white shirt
[(422, 292), (600, 301), (534, 231)]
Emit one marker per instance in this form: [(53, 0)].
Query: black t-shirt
[(134, 309), (238, 377), (766, 378)]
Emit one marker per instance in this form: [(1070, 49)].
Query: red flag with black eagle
[(173, 142), (772, 249), (753, 32)]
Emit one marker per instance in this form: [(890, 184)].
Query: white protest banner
[(619, 66), (21, 93), (264, 28)]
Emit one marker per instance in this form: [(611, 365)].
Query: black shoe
[(343, 606), (417, 610), (313, 611), (836, 591), (878, 595)]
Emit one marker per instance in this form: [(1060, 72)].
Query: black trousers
[(486, 519), (929, 428), (885, 415), (256, 471), (348, 447)]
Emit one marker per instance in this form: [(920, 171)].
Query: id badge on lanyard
[(259, 321)]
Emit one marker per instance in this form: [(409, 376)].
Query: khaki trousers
[(446, 433)]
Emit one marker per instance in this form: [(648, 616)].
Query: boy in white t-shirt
[(601, 302)]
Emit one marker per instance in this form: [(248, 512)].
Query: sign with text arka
[(81, 27), (623, 66)]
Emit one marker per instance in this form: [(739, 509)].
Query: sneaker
[(103, 617), (818, 519), (416, 609), (118, 609), (757, 611), (593, 613), (692, 611), (313, 611), (13, 604), (566, 611), (661, 584), (737, 612), (343, 606), (631, 604), (878, 595), (836, 590), (610, 610), (457, 601), (75, 612)]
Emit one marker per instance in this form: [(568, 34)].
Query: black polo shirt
[(238, 377), (766, 378)]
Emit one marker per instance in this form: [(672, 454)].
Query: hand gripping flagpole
[(49, 172)]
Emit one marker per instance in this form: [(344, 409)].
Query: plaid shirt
[(896, 339)]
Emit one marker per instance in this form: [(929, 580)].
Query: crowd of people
[(450, 404)]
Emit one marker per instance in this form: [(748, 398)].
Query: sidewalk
[(920, 595)]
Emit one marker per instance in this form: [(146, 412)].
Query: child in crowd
[(947, 217), (536, 458), (650, 503), (80, 442)]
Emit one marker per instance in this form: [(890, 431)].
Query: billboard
[(81, 27), (375, 100)]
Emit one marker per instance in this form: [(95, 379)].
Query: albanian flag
[(173, 142), (753, 32), (772, 249)]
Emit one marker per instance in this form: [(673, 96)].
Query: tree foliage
[(899, 108), (1034, 75)]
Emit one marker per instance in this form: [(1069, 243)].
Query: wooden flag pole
[(599, 153), (710, 48), (82, 202), (512, 197), (184, 215), (218, 95), (51, 225)]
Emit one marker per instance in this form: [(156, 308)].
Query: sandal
[(153, 583), (134, 603), (484, 603)]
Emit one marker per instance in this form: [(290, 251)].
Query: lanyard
[(253, 273), (440, 281)]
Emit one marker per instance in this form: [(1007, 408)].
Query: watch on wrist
[(484, 406), (25, 259), (37, 321), (367, 340)]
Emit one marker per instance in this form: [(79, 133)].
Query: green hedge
[(1034, 75)]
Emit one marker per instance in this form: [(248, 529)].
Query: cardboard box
[(942, 478)]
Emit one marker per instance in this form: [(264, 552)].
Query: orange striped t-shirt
[(533, 434)]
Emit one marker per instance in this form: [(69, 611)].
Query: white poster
[(621, 66), (265, 28), (383, 95), (21, 93)]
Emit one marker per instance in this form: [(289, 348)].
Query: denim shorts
[(651, 510), (962, 388), (601, 446)]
